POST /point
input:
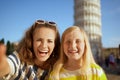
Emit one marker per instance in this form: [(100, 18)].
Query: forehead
[(44, 32), (75, 34)]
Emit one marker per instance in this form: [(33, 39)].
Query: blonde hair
[(87, 57)]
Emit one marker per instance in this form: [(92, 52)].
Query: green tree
[(10, 48), (2, 40)]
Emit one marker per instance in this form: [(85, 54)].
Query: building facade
[(108, 51), (87, 14)]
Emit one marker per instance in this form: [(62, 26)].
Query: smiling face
[(43, 43), (74, 45)]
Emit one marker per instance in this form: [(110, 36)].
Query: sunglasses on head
[(46, 22)]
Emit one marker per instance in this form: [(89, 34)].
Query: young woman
[(76, 61), (36, 53)]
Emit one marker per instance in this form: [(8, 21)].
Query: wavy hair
[(25, 46)]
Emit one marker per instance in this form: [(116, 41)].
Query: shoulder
[(14, 57), (94, 65), (96, 69)]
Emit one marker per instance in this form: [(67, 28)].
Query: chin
[(42, 60)]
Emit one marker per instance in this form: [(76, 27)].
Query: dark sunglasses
[(46, 22)]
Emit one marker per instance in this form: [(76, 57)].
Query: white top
[(22, 71)]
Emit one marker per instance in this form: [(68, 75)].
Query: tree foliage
[(2, 40), (10, 48), (9, 45)]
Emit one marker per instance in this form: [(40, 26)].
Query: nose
[(44, 44), (72, 45)]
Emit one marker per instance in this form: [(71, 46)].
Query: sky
[(16, 16)]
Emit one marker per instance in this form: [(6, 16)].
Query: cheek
[(52, 46), (65, 48), (82, 46), (35, 46)]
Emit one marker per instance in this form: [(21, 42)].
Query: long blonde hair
[(87, 57)]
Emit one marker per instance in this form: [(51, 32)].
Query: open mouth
[(42, 53)]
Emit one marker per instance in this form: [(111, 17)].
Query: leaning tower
[(87, 14)]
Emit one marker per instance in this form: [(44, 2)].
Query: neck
[(41, 65), (38, 63), (72, 65)]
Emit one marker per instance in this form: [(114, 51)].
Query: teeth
[(73, 51), (44, 51)]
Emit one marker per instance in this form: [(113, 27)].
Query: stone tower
[(87, 14)]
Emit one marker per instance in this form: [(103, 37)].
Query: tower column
[(87, 14)]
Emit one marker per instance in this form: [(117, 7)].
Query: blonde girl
[(76, 61)]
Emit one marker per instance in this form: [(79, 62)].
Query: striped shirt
[(95, 73), (22, 71)]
